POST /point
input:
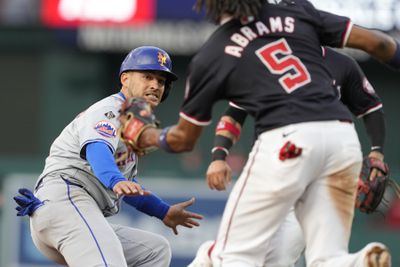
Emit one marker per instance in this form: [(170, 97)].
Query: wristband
[(224, 125), (162, 140), (219, 153), (377, 148), (395, 61)]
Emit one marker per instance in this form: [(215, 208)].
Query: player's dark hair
[(236, 8)]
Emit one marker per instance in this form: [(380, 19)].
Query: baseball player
[(355, 91), (90, 170), (265, 57)]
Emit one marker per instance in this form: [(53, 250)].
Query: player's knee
[(165, 246), (162, 252)]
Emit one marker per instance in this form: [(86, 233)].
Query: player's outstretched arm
[(178, 138), (129, 188), (151, 204), (178, 215), (182, 137), (104, 167), (374, 123), (227, 133), (378, 44)]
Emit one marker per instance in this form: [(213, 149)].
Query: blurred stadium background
[(59, 56)]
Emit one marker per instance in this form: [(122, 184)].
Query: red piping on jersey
[(342, 44), (235, 105), (323, 51), (237, 200), (210, 250), (196, 120), (369, 110)]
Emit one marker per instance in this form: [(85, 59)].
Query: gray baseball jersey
[(67, 153)]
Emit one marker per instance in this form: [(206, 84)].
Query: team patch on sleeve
[(109, 115), (368, 87), (106, 129)]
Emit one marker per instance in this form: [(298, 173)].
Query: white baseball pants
[(71, 230), (320, 184)]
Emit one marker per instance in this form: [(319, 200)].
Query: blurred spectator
[(191, 162), (393, 215), (19, 11)]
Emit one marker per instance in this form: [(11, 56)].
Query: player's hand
[(177, 215), (219, 175), (375, 172), (129, 188)]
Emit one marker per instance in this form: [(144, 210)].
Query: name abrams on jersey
[(246, 33)]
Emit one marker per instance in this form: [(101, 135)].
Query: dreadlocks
[(237, 8)]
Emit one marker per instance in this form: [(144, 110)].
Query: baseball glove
[(371, 189), (135, 116)]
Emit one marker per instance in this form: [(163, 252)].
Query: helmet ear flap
[(167, 88)]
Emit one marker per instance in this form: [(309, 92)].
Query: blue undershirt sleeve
[(102, 161), (104, 167), (152, 205)]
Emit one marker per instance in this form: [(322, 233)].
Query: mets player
[(265, 57), (355, 91), (89, 171)]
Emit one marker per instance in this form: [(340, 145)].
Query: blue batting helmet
[(150, 58)]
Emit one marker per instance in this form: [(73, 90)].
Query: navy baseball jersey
[(283, 78), (355, 91), (353, 88)]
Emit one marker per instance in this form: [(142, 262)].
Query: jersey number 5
[(295, 74)]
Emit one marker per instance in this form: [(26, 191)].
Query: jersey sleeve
[(200, 92), (357, 93), (333, 30), (236, 113), (98, 126)]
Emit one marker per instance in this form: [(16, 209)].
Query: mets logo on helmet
[(162, 58)]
